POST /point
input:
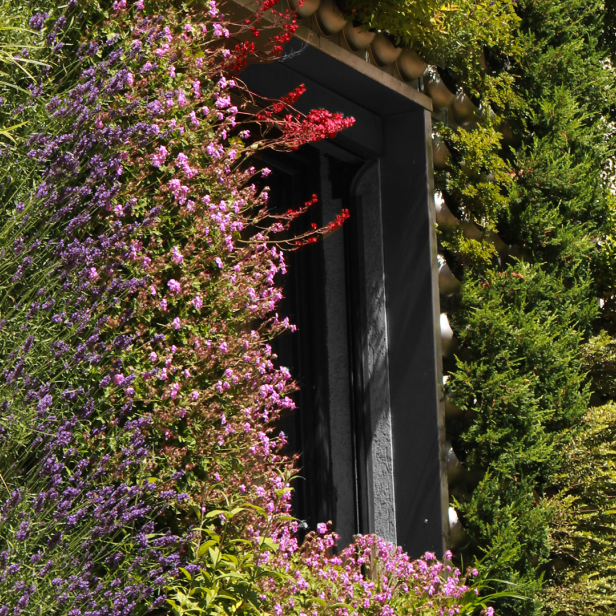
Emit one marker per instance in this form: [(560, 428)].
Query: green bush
[(582, 572), (528, 318)]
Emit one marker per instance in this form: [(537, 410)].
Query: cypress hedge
[(534, 320)]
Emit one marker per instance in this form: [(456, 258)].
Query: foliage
[(140, 458), (370, 576), (450, 34), (480, 178), (520, 379), (528, 321), (582, 576)]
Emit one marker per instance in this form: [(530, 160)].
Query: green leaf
[(214, 555), (204, 547), (186, 573)]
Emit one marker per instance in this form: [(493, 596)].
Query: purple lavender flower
[(37, 21)]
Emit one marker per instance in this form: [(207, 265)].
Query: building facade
[(370, 425)]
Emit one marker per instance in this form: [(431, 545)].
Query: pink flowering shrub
[(140, 397), (271, 573)]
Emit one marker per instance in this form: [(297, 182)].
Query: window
[(370, 425)]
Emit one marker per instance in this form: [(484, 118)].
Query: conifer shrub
[(450, 35), (582, 575)]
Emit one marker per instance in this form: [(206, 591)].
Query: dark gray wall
[(413, 359)]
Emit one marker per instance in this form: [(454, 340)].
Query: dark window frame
[(394, 132)]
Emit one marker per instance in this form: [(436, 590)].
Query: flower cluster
[(132, 386), (370, 576)]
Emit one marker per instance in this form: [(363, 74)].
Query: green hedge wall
[(534, 322)]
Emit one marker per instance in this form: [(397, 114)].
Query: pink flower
[(130, 391), (130, 79), (158, 159), (218, 262), (118, 210), (93, 275), (162, 50), (194, 120), (195, 395), (152, 290), (176, 256), (265, 172), (214, 150), (163, 304), (321, 528), (163, 374), (175, 388), (197, 302), (177, 324), (223, 102), (174, 286), (153, 356), (219, 31), (118, 379), (181, 98)]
